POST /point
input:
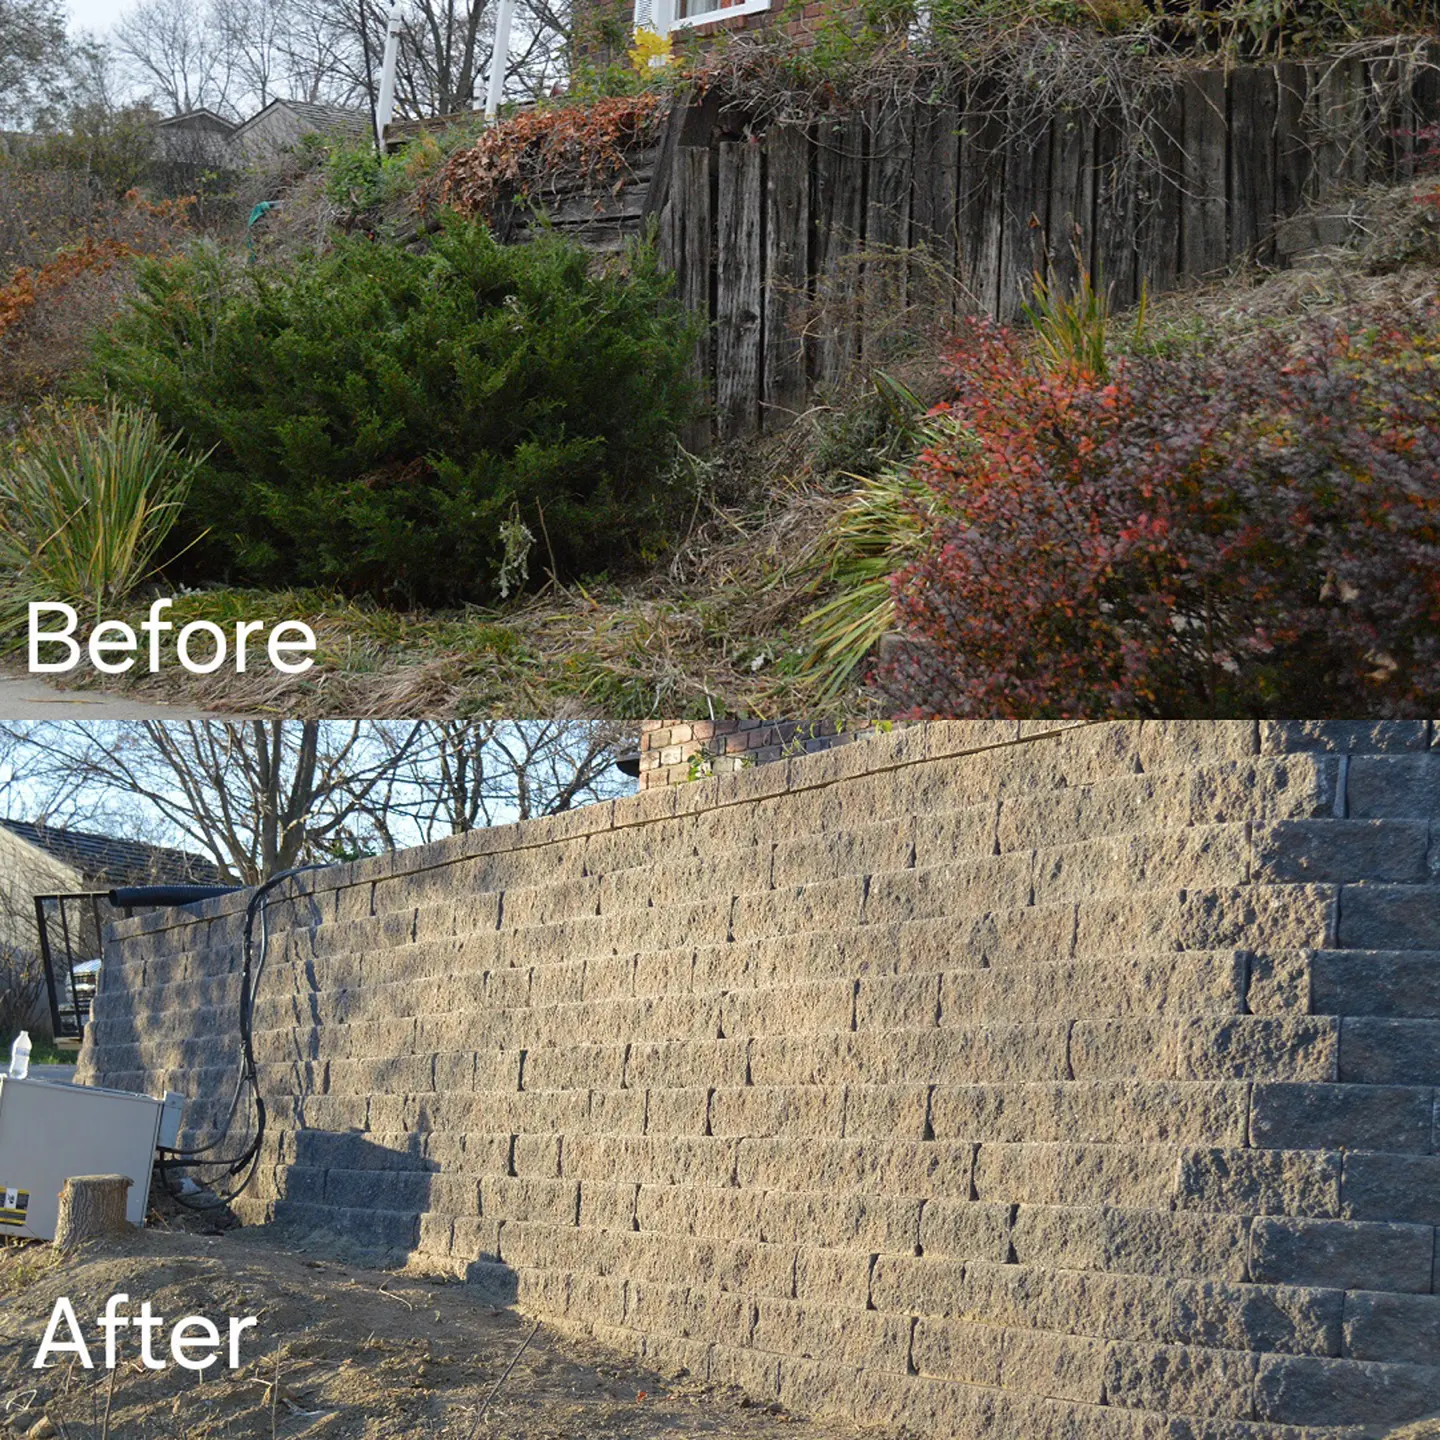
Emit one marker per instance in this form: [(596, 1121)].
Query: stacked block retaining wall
[(1083, 1085)]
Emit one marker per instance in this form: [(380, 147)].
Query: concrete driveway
[(24, 698)]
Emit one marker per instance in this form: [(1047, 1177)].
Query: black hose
[(251, 971)]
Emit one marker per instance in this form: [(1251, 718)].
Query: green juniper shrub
[(380, 418)]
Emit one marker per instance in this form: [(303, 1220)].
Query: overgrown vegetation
[(1249, 530), (402, 423)]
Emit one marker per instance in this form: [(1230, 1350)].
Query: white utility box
[(49, 1132)]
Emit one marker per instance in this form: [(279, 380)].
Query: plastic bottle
[(20, 1056)]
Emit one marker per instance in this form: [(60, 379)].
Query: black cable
[(249, 1158)]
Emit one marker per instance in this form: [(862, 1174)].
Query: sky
[(96, 15)]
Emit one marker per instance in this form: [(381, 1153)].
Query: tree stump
[(91, 1207)]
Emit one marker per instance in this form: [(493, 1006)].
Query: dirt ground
[(362, 1354)]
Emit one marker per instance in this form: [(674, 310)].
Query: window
[(666, 16)]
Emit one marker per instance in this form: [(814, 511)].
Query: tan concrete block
[(538, 1156), (875, 1166), (1131, 1241), (1120, 805), (835, 1333), (886, 1111), (677, 1111), (965, 1230), (1196, 855), (723, 1214), (749, 1268), (607, 1206), (826, 1005), (574, 1067), (1058, 1367), (957, 1350), (506, 1198), (796, 908), (873, 1223), (1259, 1182), (664, 972), (864, 850), (832, 1277), (904, 1002), (1291, 1047), (763, 1110), (1180, 1378), (616, 1112), (1142, 1049), (752, 1371), (956, 834), (675, 1063), (916, 1285), (1142, 1176), (1127, 1112), (968, 887), (1289, 1319)]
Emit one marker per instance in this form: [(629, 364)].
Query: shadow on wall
[(372, 1201)]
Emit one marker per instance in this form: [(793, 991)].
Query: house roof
[(201, 118), (316, 116), (102, 859)]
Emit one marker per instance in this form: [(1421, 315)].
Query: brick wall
[(988, 1082)]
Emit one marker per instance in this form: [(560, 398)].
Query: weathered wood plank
[(1158, 199), (1113, 259), (1025, 198), (739, 279), (981, 198), (1252, 162), (1293, 160), (887, 225), (662, 170), (1337, 108), (1203, 248), (1072, 136), (695, 247), (932, 204), (839, 220), (787, 271)]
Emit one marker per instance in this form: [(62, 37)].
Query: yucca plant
[(1071, 329), (86, 501), (864, 543)]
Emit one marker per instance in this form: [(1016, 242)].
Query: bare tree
[(466, 775), (253, 34), (176, 52), (260, 797)]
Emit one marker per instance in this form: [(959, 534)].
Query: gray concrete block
[(1403, 1328), (1336, 1117), (1395, 786), (1343, 1254), (1342, 851), (1302, 1390), (1399, 985), (1259, 1182), (1381, 1186), (1389, 917), (1389, 1051)]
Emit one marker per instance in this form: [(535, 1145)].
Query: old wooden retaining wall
[(809, 247)]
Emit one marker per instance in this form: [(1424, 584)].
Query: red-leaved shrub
[(1248, 533)]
